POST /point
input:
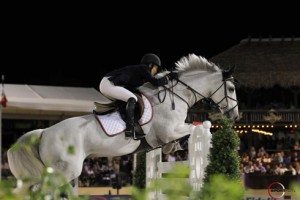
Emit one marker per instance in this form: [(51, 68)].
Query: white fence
[(198, 147)]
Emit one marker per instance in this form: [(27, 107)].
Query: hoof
[(167, 149)]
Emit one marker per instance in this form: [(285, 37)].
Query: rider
[(120, 83)]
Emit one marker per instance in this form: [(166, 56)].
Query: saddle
[(120, 106)]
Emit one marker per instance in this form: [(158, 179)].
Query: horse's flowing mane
[(193, 62)]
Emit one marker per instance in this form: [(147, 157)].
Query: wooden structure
[(269, 91)]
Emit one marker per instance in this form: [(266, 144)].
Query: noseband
[(207, 100), (226, 97)]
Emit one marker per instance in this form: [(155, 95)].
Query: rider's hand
[(172, 76)]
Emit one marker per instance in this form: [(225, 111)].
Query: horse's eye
[(231, 89)]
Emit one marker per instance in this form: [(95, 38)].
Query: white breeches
[(112, 91)]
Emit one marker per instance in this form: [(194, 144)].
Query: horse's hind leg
[(72, 191), (74, 185), (70, 170), (65, 191), (21, 190)]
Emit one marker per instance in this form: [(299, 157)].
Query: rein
[(170, 89), (206, 100)]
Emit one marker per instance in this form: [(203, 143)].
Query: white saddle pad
[(113, 123)]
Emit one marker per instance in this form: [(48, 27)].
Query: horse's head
[(208, 82), (224, 97)]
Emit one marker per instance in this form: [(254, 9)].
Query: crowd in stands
[(275, 162), (281, 160), (107, 171)]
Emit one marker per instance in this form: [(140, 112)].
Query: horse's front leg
[(179, 132), (184, 129)]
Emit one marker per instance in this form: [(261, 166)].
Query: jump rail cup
[(198, 147)]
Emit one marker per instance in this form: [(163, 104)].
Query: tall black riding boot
[(129, 131)]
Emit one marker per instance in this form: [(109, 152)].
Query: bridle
[(207, 100), (226, 97)]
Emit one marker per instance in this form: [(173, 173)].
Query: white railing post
[(199, 145)]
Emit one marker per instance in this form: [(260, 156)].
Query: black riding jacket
[(134, 76)]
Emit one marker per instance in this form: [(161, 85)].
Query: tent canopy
[(49, 102)]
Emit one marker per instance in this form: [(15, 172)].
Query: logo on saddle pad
[(113, 124)]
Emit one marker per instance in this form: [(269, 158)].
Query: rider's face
[(154, 70)]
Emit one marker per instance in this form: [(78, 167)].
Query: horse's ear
[(232, 70), (228, 73)]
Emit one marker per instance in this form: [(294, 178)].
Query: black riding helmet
[(151, 58)]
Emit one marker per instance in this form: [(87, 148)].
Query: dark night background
[(78, 48)]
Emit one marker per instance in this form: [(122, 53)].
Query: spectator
[(252, 153), (283, 169), (296, 146), (261, 168), (249, 168), (269, 169), (277, 170), (291, 170), (262, 151), (171, 157), (295, 157), (267, 158)]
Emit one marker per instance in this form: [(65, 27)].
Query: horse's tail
[(23, 157)]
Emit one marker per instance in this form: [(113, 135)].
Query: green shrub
[(221, 187), (48, 188), (223, 156), (139, 176)]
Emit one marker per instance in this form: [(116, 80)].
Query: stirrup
[(134, 134), (138, 136), (129, 132)]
